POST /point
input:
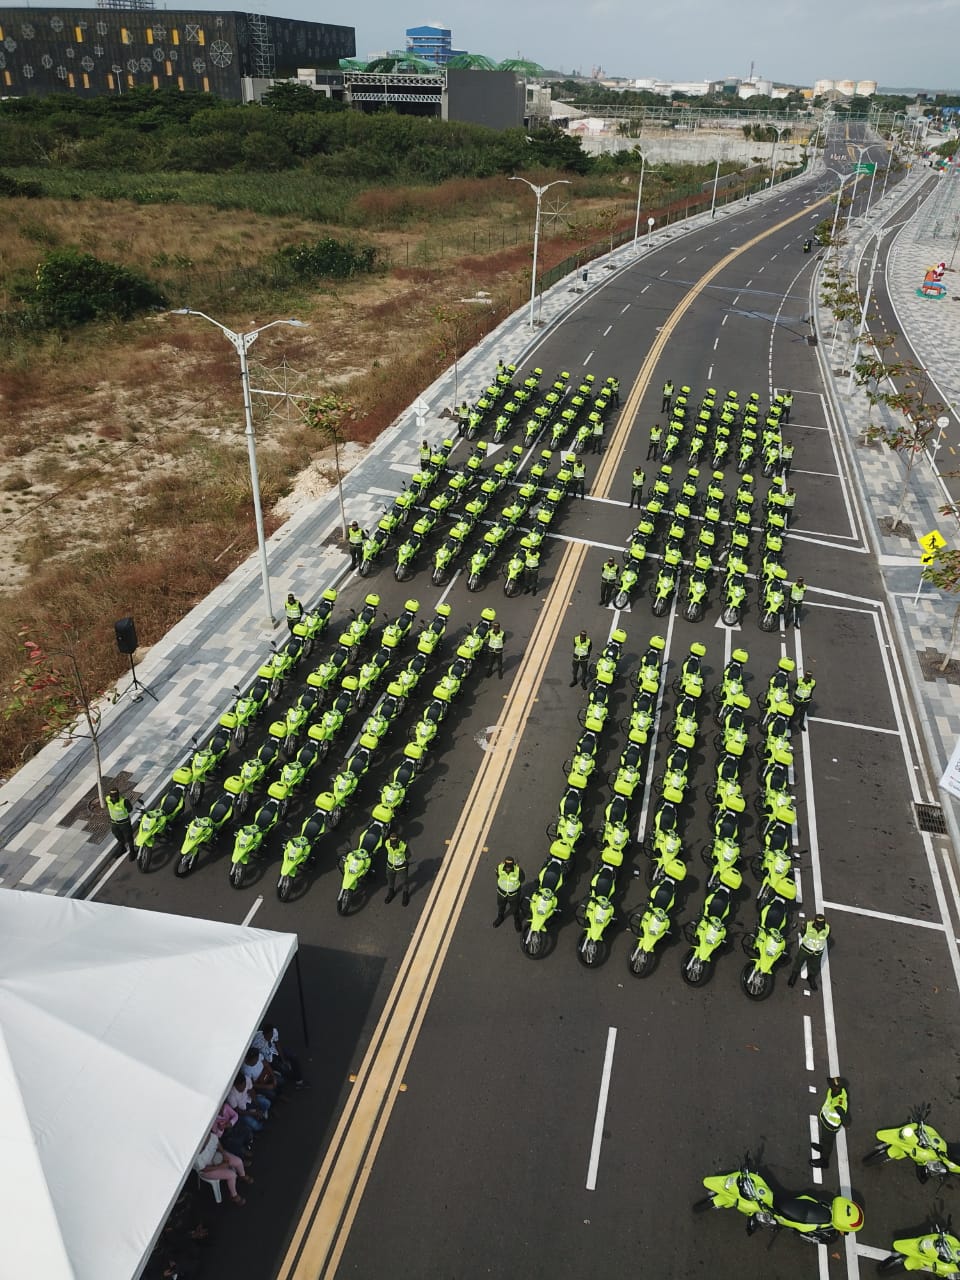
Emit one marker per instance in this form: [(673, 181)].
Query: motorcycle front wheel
[(143, 857), (768, 621), (195, 794), (184, 865), (275, 686), (892, 1264), (473, 582), (239, 735), (344, 901), (243, 801), (366, 568), (694, 971), (236, 874), (660, 606), (511, 587), (756, 985), (878, 1155), (693, 612), (284, 885), (437, 577), (533, 942), (643, 963), (592, 952)]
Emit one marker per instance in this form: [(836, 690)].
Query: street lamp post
[(650, 222), (894, 133), (241, 343), (781, 129), (836, 212), (636, 225), (716, 179), (539, 192)]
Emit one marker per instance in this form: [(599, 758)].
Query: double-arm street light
[(539, 192), (241, 343), (781, 129)]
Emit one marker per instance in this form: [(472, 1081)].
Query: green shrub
[(72, 288), (328, 259), (19, 187)]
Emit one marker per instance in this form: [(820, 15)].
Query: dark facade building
[(492, 98), (90, 52)]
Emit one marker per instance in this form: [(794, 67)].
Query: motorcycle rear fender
[(183, 775)]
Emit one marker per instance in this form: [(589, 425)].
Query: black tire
[(366, 568), (401, 573), (511, 587), (891, 1265), (622, 600), (344, 901), (275, 686), (236, 874), (730, 617), (284, 885), (184, 865), (768, 621), (144, 854), (195, 794), (701, 1206), (243, 802), (693, 612), (754, 984), (660, 607), (877, 1155), (592, 954), (473, 582), (694, 971), (533, 943), (240, 735), (643, 963), (437, 577)]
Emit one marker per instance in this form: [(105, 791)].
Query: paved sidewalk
[(52, 834), (932, 328)]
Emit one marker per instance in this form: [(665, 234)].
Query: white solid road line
[(815, 1173), (587, 361), (826, 985), (655, 727), (849, 724), (868, 1251), (601, 1110), (253, 910), (884, 915), (830, 475), (607, 330), (807, 1042), (624, 310)]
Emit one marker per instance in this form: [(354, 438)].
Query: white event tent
[(120, 1033)]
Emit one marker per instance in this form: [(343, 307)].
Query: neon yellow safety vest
[(797, 592), (355, 536), (533, 559), (668, 388), (293, 609), (610, 572), (579, 471), (119, 810), (495, 641), (581, 648), (656, 432), (834, 1109), (814, 940), (508, 882), (396, 854), (638, 479), (804, 690)]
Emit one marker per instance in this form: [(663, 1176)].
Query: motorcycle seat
[(806, 1210), (953, 1152)]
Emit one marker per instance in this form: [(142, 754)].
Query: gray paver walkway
[(43, 845)]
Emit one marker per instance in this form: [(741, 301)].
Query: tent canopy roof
[(120, 1032)]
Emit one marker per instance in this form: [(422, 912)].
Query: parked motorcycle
[(249, 840), (936, 1254), (154, 823), (246, 709), (706, 935), (203, 830), (919, 1142), (815, 1220)]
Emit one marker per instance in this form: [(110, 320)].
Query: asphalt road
[(474, 1156)]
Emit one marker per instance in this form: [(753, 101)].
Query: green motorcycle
[(652, 925), (541, 906), (706, 936), (245, 710), (595, 916), (249, 841), (201, 831), (765, 947), (937, 1254), (154, 823)]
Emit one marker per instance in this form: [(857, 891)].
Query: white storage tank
[(866, 88), (823, 87)]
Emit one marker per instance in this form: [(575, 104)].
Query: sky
[(895, 42)]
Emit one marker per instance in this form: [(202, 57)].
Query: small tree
[(327, 414), (51, 686), (910, 435), (943, 572)]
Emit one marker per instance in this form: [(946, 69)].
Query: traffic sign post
[(930, 544)]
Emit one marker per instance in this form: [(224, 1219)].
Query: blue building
[(433, 44)]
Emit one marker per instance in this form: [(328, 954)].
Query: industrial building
[(91, 52)]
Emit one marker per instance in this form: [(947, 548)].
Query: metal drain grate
[(930, 818)]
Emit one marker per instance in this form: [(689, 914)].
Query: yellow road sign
[(930, 542)]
